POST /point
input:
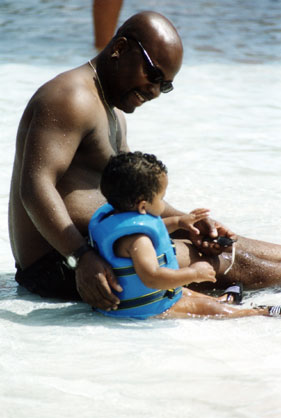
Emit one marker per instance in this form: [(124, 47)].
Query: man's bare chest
[(94, 153)]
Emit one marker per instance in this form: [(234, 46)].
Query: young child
[(130, 234)]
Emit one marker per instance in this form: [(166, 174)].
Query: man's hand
[(94, 280), (209, 230)]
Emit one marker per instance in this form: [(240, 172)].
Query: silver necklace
[(103, 96)]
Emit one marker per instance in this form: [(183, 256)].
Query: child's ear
[(141, 207)]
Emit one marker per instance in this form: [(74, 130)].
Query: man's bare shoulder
[(71, 95)]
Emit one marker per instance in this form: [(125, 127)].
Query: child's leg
[(196, 304), (222, 299)]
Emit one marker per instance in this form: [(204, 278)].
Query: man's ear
[(118, 47), (141, 207)]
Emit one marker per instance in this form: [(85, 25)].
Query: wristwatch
[(72, 260)]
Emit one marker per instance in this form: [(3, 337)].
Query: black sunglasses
[(154, 75)]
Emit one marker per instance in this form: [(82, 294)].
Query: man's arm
[(50, 146), (55, 133), (171, 211)]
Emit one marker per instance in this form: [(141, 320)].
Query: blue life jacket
[(137, 300)]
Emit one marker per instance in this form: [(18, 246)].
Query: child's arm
[(187, 221), (140, 249)]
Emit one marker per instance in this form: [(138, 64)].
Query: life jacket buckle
[(170, 293)]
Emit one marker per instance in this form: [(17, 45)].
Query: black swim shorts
[(49, 277)]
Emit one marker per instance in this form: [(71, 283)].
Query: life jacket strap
[(129, 270), (149, 298)]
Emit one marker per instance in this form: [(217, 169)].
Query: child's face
[(157, 206)]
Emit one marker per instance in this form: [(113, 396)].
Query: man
[(67, 133)]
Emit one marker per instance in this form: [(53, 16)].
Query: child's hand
[(187, 221), (205, 272)]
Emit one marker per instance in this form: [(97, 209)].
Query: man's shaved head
[(145, 45), (156, 31), (146, 24)]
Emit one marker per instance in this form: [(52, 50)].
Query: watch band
[(81, 250), (72, 260)]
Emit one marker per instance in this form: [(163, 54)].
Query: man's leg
[(260, 249), (252, 271)]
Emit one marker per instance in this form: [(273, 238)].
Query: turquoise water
[(219, 134)]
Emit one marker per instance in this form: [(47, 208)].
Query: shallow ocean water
[(219, 134)]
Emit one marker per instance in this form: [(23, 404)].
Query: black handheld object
[(224, 241)]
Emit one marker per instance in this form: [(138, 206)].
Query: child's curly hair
[(130, 177)]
